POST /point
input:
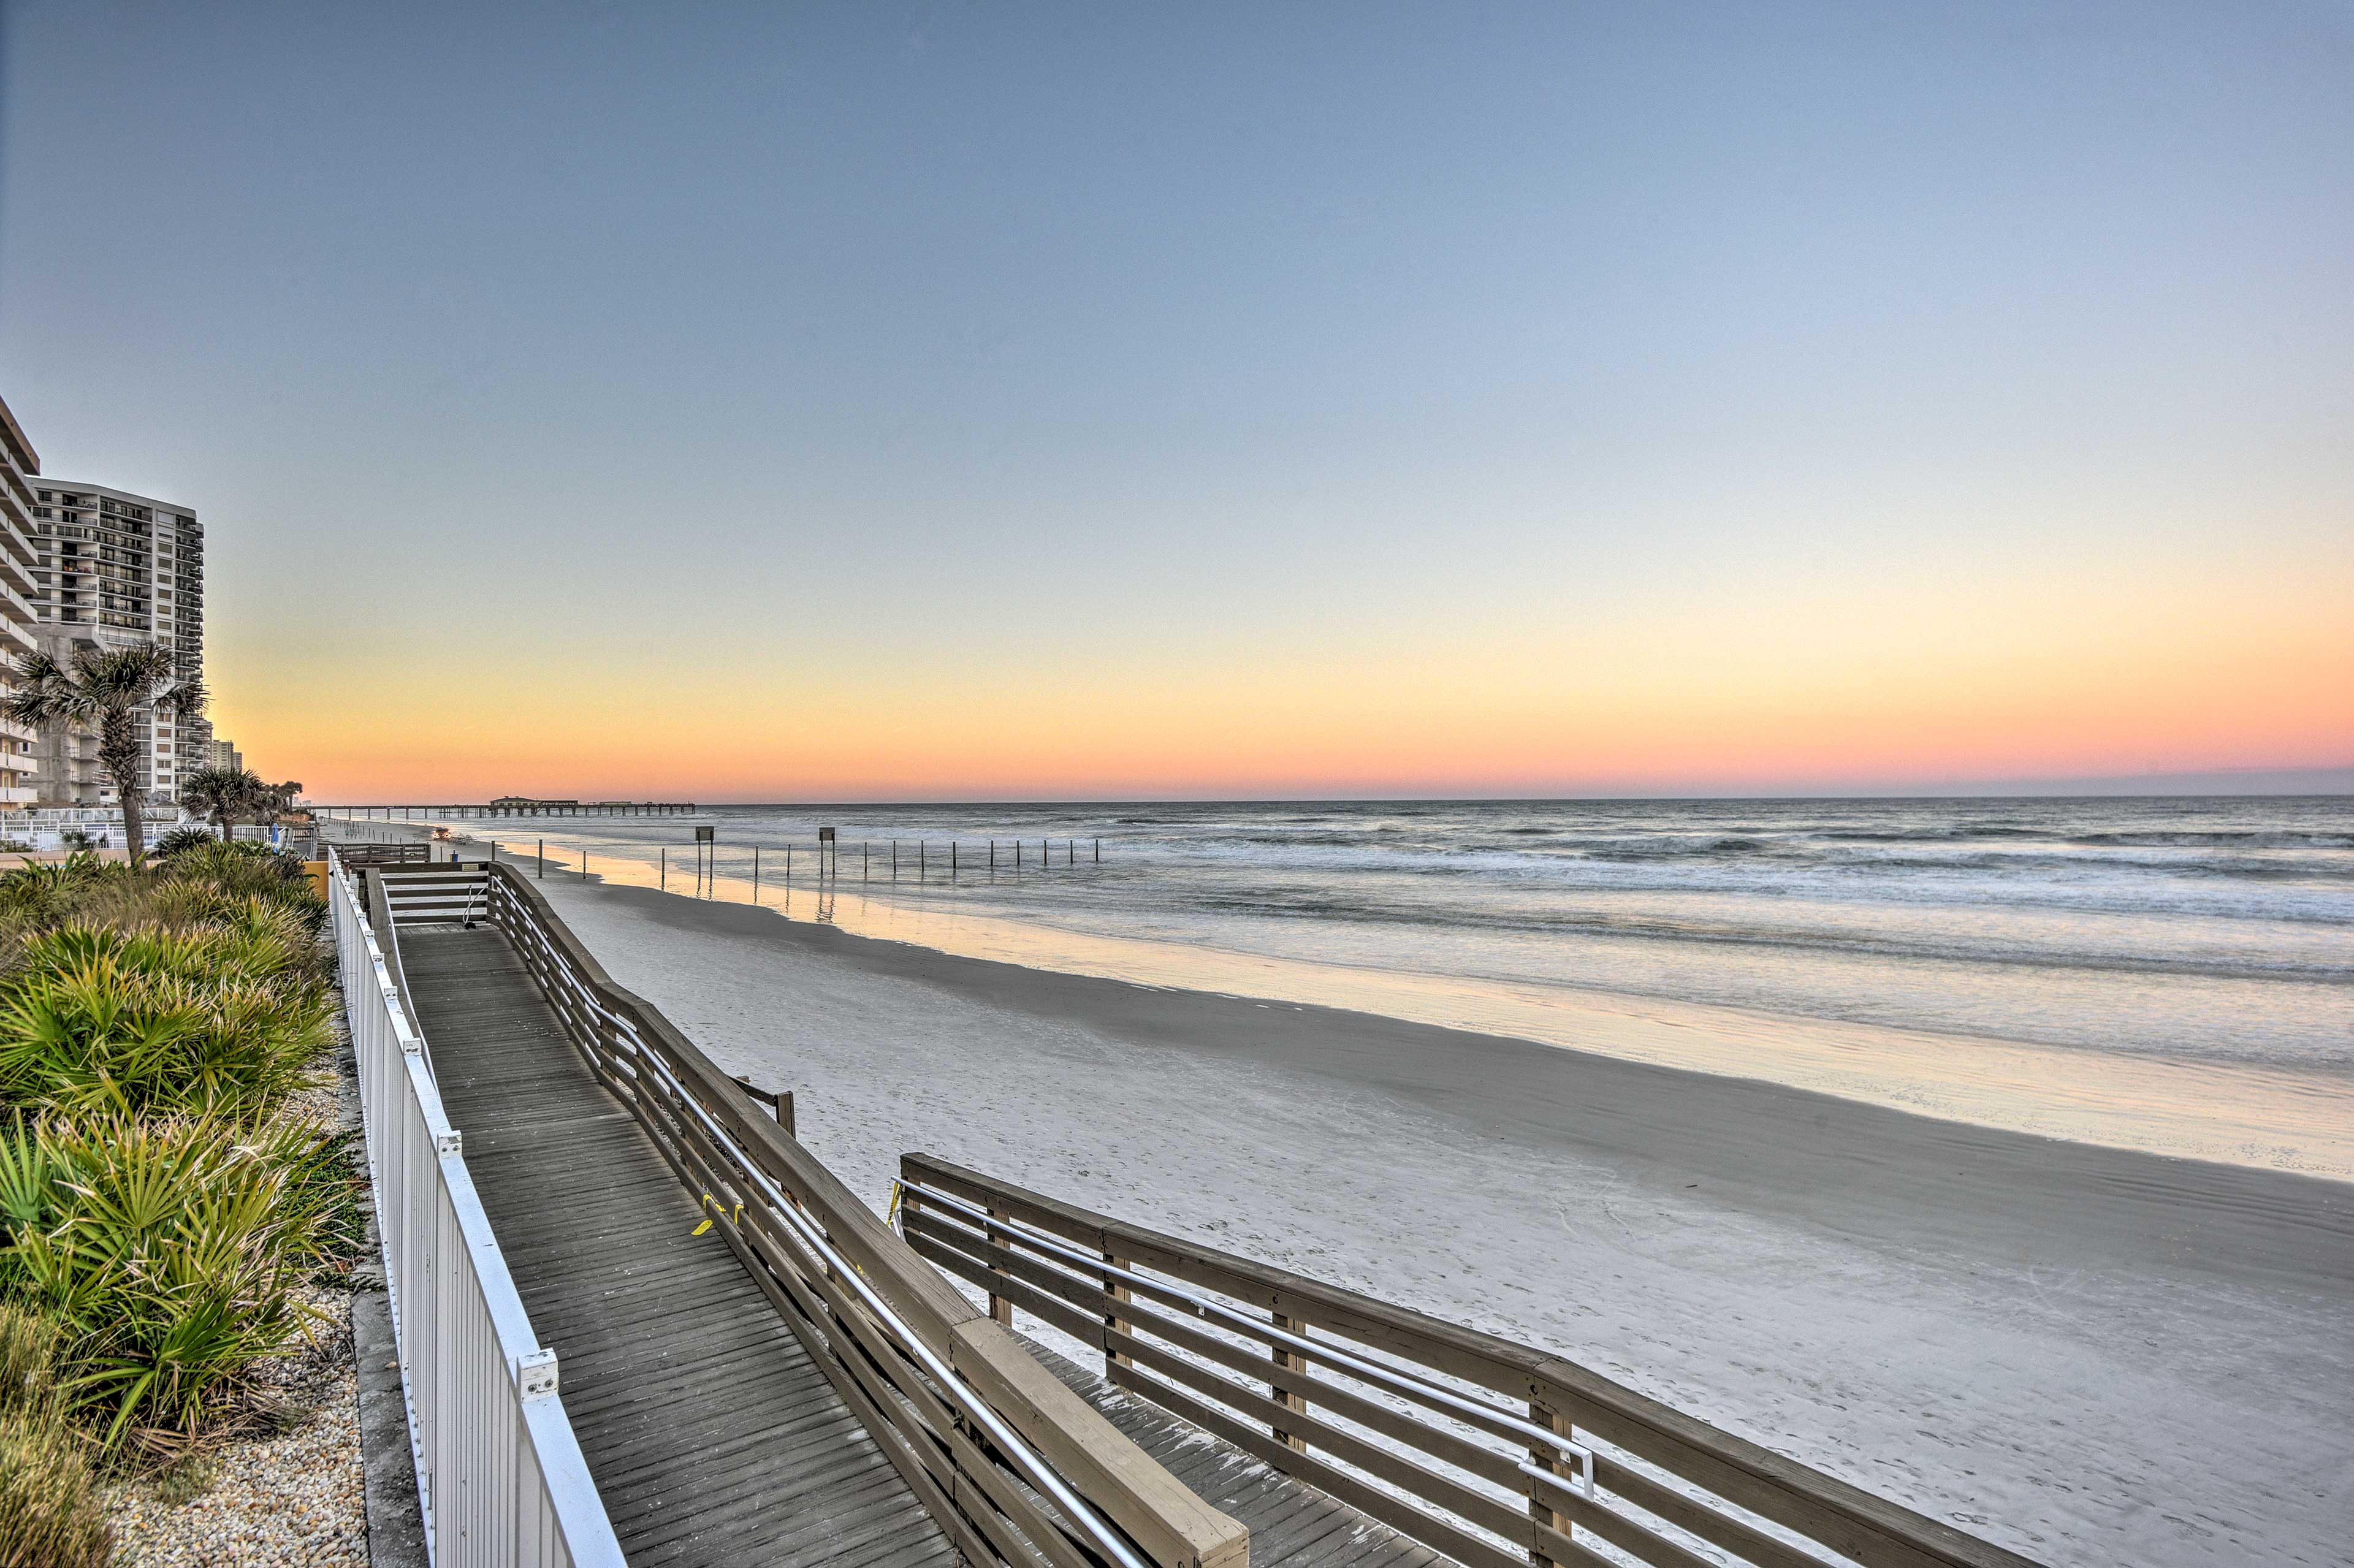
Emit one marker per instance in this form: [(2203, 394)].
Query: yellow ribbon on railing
[(735, 1219)]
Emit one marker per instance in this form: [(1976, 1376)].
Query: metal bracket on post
[(536, 1374), (450, 1142)]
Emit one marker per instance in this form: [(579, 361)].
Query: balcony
[(20, 795)]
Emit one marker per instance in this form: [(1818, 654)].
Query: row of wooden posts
[(829, 852)]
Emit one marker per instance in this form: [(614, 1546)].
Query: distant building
[(115, 570), (222, 754), (19, 611)]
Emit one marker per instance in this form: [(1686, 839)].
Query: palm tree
[(264, 802), (216, 792), (105, 690)]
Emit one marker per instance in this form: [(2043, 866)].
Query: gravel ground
[(298, 1497), (293, 1498)]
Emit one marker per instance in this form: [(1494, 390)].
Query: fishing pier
[(507, 806)]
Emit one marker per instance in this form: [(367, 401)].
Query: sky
[(756, 402)]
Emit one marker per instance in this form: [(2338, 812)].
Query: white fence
[(499, 1473), (45, 827)]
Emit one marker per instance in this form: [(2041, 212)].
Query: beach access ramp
[(743, 1361)]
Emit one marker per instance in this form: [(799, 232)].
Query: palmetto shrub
[(157, 1201), (248, 871), (227, 1015), (171, 1251), (43, 894), (179, 840)]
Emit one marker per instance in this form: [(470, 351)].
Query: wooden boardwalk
[(710, 1433)]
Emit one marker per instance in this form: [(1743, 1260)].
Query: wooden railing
[(1495, 1454), (1016, 1467), (440, 891), (415, 852)]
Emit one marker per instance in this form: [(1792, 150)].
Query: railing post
[(1540, 1510), (1290, 1362), (1000, 1309), (1115, 1295)]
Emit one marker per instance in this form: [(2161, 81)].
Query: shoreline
[(1802, 1151), (2085, 1353), (2254, 1114)]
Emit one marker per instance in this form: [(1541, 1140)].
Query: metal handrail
[(1325, 1351), (1011, 1443)]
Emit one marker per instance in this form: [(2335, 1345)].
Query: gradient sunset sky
[(754, 402)]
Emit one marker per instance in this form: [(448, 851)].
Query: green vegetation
[(180, 838), (224, 795), (216, 794), (49, 1515), (163, 1205)]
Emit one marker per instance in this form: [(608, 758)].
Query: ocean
[(2176, 975)]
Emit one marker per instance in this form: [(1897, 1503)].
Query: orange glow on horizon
[(1778, 699)]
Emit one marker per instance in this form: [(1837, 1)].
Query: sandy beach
[(2086, 1354)]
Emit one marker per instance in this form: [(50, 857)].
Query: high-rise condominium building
[(19, 613), (114, 570)]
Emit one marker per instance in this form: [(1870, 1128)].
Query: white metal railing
[(500, 1478)]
